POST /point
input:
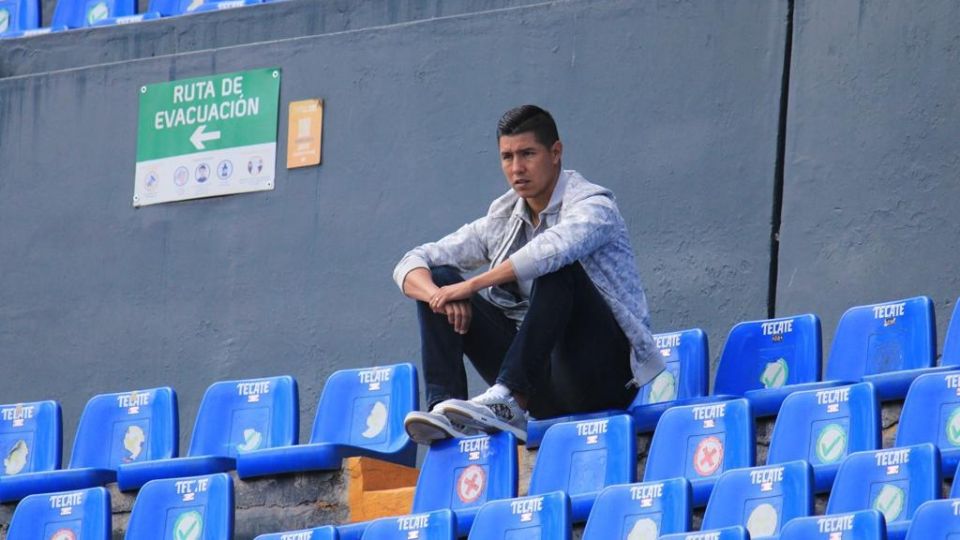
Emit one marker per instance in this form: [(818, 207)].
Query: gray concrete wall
[(176, 35), (673, 105), (871, 186)]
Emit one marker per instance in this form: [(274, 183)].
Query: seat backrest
[(701, 441), (686, 356), (880, 338), (895, 482), (955, 486), (864, 525), (761, 499), (936, 520), (83, 13), (60, 516), (16, 15), (644, 510), (526, 518), (366, 407), (824, 426), (437, 525), (169, 8), (127, 427), (585, 457), (30, 437), (951, 343), (931, 412), (466, 473), (241, 416), (328, 532), (727, 533), (177, 507), (770, 354)]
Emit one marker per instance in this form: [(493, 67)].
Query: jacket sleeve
[(587, 225), (463, 249)]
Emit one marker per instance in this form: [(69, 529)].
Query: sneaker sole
[(426, 431), (480, 421)]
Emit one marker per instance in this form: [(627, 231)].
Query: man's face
[(530, 167)]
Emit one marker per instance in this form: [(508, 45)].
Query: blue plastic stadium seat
[(461, 475), (438, 525), (761, 499), (895, 482), (582, 458), (727, 533), (170, 8), (234, 417), (864, 525), (82, 14), (176, 507), (765, 361), (544, 516), (951, 343), (73, 514), (936, 520), (18, 15), (30, 437), (114, 429), (700, 442), (888, 344), (955, 486), (684, 380), (931, 414), (210, 5), (644, 510), (360, 413), (317, 533), (824, 426)]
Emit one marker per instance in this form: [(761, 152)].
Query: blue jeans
[(568, 355)]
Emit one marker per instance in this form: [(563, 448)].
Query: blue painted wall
[(674, 105)]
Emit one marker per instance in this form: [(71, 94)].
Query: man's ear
[(556, 151)]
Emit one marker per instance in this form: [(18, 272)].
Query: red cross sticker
[(708, 457), (470, 483)]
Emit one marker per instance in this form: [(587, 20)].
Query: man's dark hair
[(527, 118)]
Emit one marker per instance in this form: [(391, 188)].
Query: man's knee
[(445, 275)]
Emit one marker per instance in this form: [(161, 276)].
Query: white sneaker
[(489, 412), (427, 427)]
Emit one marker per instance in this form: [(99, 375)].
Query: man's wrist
[(474, 284)]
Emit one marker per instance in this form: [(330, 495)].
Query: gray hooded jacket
[(583, 224)]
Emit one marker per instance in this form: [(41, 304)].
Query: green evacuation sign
[(207, 136)]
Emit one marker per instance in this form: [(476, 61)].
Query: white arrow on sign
[(199, 136)]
